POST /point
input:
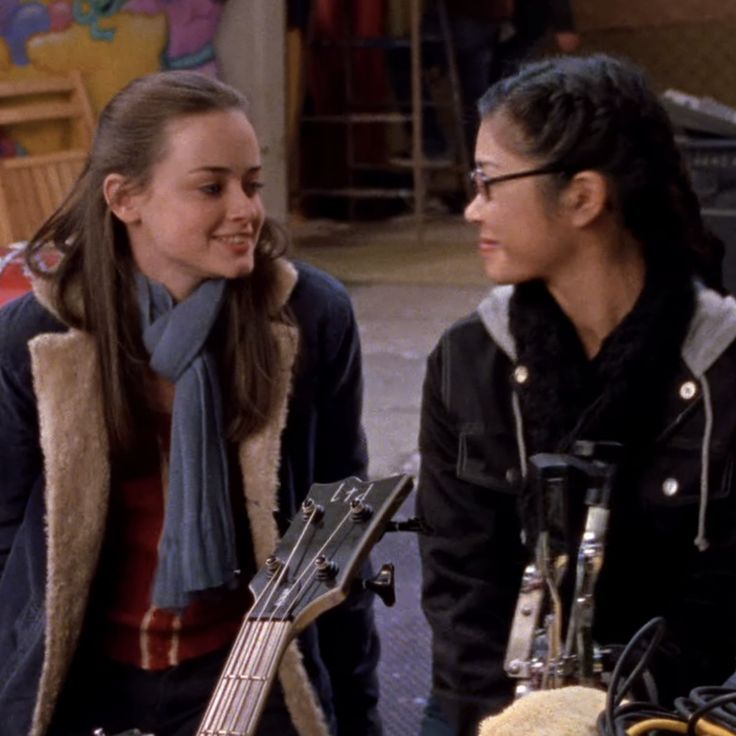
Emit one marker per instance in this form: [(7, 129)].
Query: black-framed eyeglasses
[(483, 183)]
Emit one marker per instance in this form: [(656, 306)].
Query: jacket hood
[(712, 329)]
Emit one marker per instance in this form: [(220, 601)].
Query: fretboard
[(243, 687)]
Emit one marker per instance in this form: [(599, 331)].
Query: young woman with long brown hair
[(168, 394)]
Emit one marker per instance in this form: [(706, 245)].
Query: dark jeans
[(116, 697)]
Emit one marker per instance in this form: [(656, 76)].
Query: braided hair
[(600, 113)]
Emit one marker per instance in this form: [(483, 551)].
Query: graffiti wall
[(109, 41)]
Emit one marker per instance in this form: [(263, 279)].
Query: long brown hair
[(93, 281)]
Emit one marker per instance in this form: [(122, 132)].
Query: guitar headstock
[(316, 561)]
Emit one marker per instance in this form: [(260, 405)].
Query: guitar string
[(254, 650), (260, 650), (300, 592), (259, 661), (237, 651), (296, 588), (214, 708), (221, 707), (245, 647), (223, 695), (329, 539), (269, 665)]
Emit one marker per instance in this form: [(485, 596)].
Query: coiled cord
[(706, 711)]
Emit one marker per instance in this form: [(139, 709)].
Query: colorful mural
[(109, 41)]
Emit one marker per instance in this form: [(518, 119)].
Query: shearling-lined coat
[(474, 426), (54, 488)]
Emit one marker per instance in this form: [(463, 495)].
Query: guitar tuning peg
[(382, 584), (413, 524)]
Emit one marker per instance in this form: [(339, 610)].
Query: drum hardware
[(537, 656)]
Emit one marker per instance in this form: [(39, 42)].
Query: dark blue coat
[(54, 488)]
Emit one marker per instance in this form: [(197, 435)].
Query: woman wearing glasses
[(606, 323)]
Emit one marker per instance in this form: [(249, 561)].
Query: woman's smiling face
[(522, 234), (200, 214)]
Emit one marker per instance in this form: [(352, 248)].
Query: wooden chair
[(33, 186)]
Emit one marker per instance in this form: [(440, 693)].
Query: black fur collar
[(617, 396)]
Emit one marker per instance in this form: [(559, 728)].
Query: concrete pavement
[(399, 325), (406, 291)]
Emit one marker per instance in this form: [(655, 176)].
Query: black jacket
[(472, 460), (54, 490)]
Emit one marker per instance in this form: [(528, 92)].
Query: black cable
[(724, 714), (616, 691), (706, 710), (717, 703), (650, 686)]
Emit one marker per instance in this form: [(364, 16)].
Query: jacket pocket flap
[(488, 459)]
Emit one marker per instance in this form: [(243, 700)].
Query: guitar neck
[(310, 571), (241, 692)]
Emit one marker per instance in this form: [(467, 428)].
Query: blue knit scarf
[(197, 550)]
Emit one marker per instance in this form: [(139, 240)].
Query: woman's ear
[(120, 199), (586, 197)]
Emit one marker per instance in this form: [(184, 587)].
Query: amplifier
[(723, 223), (712, 166)]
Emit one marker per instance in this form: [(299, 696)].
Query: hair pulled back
[(94, 277), (599, 113)]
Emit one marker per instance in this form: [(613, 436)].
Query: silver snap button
[(688, 390), (670, 487), (512, 476), (521, 374)]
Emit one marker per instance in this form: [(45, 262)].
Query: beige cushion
[(569, 711)]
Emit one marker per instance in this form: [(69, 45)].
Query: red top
[(132, 629)]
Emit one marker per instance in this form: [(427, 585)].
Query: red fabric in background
[(326, 78), (13, 282), (333, 21)]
